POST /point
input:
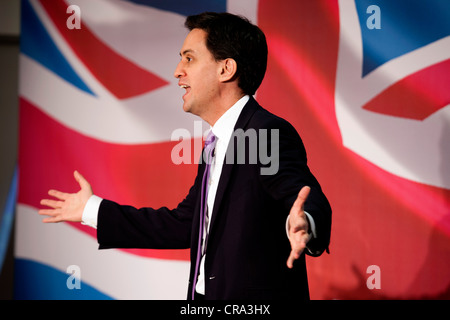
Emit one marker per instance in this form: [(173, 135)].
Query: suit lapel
[(242, 123)]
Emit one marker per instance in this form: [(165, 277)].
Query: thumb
[(84, 184), (301, 198)]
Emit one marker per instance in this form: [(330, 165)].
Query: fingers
[(59, 195), (52, 203), (52, 219), (292, 257), (49, 212), (53, 215), (297, 245), (295, 254)]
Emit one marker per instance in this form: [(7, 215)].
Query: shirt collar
[(223, 128)]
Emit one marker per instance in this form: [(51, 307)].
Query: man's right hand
[(69, 206)]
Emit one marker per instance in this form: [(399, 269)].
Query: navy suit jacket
[(247, 245)]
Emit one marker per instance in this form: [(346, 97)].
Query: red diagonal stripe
[(120, 76), (417, 96)]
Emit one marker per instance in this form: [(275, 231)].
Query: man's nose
[(178, 71)]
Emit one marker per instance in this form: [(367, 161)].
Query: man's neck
[(220, 109)]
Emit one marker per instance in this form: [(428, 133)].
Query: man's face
[(198, 73)]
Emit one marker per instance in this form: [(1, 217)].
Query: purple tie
[(207, 157)]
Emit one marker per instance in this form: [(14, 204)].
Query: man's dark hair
[(232, 36)]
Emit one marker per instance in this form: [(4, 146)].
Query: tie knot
[(210, 139)]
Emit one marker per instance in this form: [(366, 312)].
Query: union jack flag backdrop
[(366, 87)]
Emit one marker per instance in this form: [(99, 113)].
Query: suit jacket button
[(212, 277)]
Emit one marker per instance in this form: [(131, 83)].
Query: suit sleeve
[(121, 226), (293, 174)]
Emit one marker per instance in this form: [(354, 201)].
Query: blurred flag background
[(365, 83)]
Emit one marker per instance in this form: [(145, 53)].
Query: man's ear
[(228, 70)]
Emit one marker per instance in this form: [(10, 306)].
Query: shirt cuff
[(90, 212), (312, 225)]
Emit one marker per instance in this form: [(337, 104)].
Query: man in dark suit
[(260, 205)]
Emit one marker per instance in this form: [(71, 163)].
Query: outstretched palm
[(69, 206)]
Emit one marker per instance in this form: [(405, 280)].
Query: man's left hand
[(298, 227)]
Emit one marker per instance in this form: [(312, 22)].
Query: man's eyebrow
[(185, 52)]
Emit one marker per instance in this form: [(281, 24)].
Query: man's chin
[(186, 107)]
